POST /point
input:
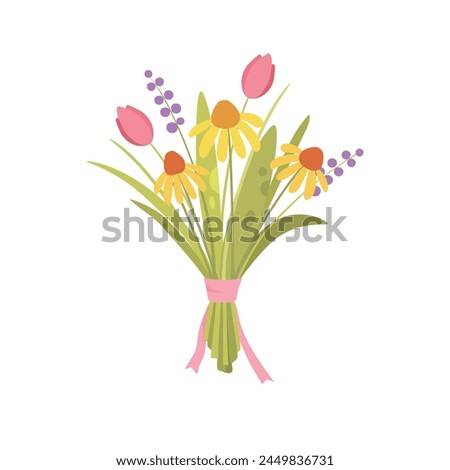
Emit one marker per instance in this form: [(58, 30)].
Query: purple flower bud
[(332, 162), (172, 127), (168, 95), (317, 191), (339, 171), (359, 152), (176, 108), (165, 112), (159, 81), (148, 73), (151, 86), (329, 179), (351, 162), (346, 154)]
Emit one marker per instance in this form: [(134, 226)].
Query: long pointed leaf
[(210, 199), (159, 204), (252, 200), (276, 229), (176, 236)]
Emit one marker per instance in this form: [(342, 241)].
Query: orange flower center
[(225, 115), (311, 158), (174, 163)]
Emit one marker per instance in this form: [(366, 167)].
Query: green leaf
[(250, 203), (210, 199), (163, 208), (176, 236), (276, 229), (296, 139), (138, 186)]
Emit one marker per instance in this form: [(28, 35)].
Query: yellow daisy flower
[(177, 175), (306, 165), (227, 123)]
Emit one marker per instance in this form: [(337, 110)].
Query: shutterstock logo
[(246, 230)]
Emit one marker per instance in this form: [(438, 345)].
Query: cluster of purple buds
[(163, 98), (337, 170)]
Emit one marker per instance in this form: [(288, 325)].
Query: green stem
[(209, 254), (272, 109), (230, 172), (135, 160), (191, 226), (227, 174), (279, 197), (224, 194), (202, 234), (247, 165), (157, 152)]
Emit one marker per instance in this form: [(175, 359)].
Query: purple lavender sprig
[(337, 169), (163, 98)]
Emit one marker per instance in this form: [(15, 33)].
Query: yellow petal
[(280, 161), (289, 148), (207, 141), (196, 179), (322, 180), (289, 171), (310, 184), (222, 145), (188, 186), (178, 190), (168, 189), (251, 136), (298, 180), (159, 182), (253, 119), (238, 143), (199, 128), (198, 169)]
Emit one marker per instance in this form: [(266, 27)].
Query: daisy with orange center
[(177, 175), (306, 164), (227, 123)]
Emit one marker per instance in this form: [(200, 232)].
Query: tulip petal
[(258, 76), (135, 126)]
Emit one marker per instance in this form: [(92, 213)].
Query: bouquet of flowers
[(225, 226)]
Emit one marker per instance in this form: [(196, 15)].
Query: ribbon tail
[(251, 356), (197, 358)]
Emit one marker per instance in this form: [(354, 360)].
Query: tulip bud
[(135, 126), (258, 76)]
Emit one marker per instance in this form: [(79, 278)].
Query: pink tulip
[(258, 76), (134, 125)]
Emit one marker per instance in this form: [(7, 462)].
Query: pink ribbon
[(225, 291)]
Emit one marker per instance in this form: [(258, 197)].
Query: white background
[(94, 337)]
